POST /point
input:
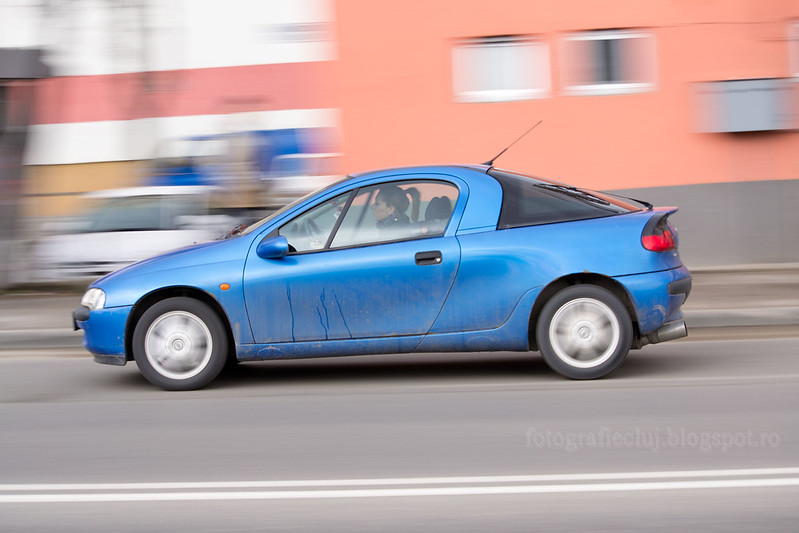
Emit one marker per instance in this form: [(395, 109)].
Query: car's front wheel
[(584, 332), (180, 344)]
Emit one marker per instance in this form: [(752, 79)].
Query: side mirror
[(273, 248)]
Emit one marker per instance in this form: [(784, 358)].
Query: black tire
[(180, 344), (584, 332)]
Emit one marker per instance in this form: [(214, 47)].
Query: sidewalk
[(757, 295)]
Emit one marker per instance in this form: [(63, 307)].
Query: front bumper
[(104, 332), (81, 314)]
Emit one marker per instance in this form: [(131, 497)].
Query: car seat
[(439, 208)]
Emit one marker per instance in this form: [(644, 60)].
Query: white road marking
[(399, 487)]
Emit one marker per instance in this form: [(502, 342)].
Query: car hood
[(184, 267), (180, 258)]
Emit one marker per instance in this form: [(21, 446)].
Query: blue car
[(405, 260)]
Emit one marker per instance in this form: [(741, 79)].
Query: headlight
[(94, 298)]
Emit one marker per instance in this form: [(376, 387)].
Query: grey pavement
[(734, 297)]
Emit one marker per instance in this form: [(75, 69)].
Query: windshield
[(254, 226)]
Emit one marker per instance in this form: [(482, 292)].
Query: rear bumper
[(677, 329), (680, 286), (657, 298)]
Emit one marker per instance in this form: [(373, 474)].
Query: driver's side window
[(396, 211), (311, 230)]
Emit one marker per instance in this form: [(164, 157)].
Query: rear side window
[(529, 202)]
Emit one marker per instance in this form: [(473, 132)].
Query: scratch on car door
[(291, 310), (341, 314), (325, 322)]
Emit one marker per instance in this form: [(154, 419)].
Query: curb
[(745, 268), (40, 338), (767, 316)]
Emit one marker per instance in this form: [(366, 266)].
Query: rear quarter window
[(529, 202)]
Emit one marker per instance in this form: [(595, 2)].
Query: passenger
[(390, 205)]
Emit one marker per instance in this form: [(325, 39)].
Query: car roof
[(421, 169)]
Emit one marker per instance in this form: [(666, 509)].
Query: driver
[(390, 205)]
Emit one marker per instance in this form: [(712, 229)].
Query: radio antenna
[(490, 162)]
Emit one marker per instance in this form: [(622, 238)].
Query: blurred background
[(128, 127)]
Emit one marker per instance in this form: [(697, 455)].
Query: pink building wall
[(394, 83)]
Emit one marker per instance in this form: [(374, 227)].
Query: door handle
[(428, 258)]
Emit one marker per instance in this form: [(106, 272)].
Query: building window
[(500, 69), (732, 106), (609, 62), (793, 48)]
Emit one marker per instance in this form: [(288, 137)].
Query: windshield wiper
[(237, 230), (642, 202), (574, 192)]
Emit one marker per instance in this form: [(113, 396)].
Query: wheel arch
[(582, 278), (150, 299)]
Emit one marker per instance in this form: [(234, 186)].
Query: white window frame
[(465, 66), (593, 89), (793, 49)]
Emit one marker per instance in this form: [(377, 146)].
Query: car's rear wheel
[(180, 344), (584, 332)]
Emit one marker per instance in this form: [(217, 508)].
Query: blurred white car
[(122, 226), (292, 176)]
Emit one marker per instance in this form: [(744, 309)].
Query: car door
[(347, 278)]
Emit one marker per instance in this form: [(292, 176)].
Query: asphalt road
[(685, 435)]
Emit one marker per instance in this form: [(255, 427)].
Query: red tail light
[(659, 235)]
